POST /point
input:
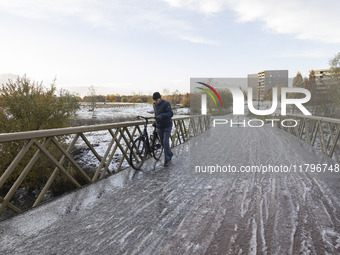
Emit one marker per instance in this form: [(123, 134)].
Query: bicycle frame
[(146, 135), (149, 147)]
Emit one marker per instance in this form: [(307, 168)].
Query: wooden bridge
[(38, 143), (177, 210)]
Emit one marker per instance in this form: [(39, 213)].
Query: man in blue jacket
[(163, 114)]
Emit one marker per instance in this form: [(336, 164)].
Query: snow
[(253, 243), (117, 111), (101, 139), (182, 111)]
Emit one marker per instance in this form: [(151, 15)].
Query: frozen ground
[(120, 111), (174, 211), (101, 139), (117, 111)]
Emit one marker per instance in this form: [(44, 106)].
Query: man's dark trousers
[(164, 135)]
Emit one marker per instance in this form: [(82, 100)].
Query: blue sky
[(141, 46)]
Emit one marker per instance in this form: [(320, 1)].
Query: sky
[(142, 46)]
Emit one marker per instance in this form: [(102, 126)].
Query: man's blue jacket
[(163, 114)]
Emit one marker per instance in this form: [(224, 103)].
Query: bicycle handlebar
[(146, 118)]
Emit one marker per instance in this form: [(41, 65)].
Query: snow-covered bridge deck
[(171, 211)]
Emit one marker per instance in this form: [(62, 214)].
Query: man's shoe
[(167, 162)]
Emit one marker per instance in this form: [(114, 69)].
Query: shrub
[(27, 105)]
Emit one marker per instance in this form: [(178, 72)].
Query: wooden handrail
[(319, 132), (17, 136), (324, 119), (39, 142)]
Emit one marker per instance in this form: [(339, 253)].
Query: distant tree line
[(175, 98), (325, 93)]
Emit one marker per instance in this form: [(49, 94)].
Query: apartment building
[(266, 80), (322, 79)]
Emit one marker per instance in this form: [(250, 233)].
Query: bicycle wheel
[(138, 153), (157, 147)]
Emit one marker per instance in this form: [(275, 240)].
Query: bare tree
[(93, 97)]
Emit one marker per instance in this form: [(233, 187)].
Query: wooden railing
[(319, 132), (47, 142)]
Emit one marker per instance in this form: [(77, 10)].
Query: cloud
[(195, 39), (313, 20), (39, 9), (304, 53), (203, 6), (114, 15)]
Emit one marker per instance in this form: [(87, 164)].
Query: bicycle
[(142, 146)]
